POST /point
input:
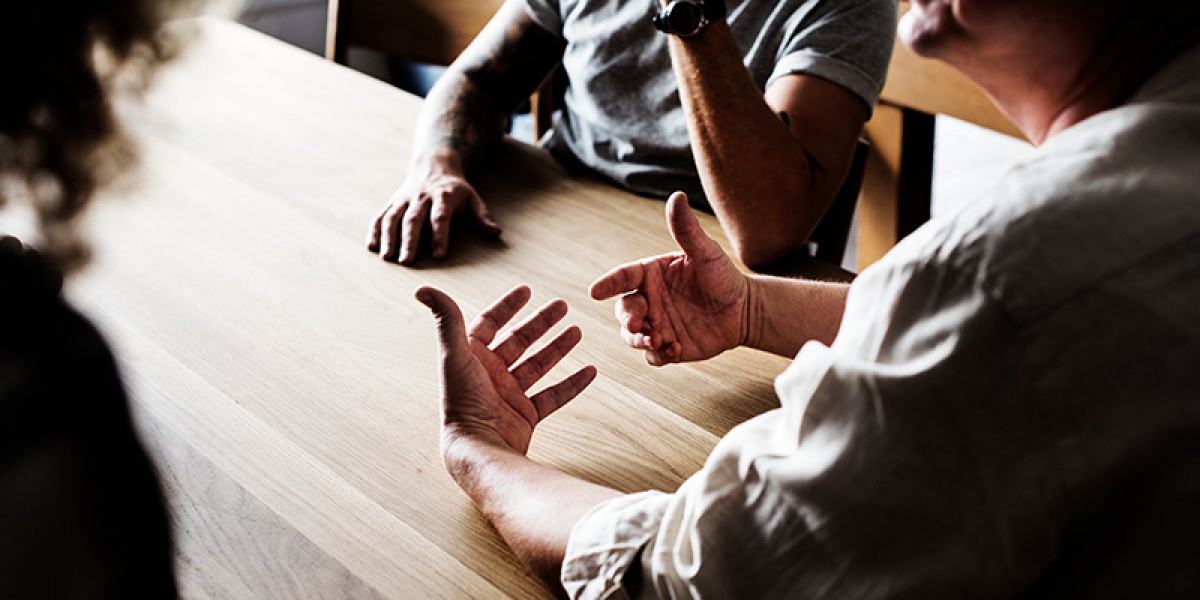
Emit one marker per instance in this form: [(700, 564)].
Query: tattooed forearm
[(466, 120), (470, 107)]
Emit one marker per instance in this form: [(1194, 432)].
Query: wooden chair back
[(426, 31), (432, 32)]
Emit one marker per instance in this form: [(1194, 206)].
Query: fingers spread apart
[(523, 336), (496, 316), (554, 397), (536, 365)]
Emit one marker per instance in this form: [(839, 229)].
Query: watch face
[(684, 17)]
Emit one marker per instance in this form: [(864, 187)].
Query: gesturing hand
[(484, 388), (681, 306), (437, 196)]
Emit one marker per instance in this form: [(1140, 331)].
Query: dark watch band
[(714, 10), (686, 18)]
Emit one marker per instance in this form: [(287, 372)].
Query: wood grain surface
[(286, 380)]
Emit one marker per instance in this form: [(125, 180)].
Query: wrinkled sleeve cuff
[(606, 541)]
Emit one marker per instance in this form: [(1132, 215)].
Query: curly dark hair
[(62, 62)]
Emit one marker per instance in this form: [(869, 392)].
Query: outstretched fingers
[(496, 316), (556, 396), (529, 331), (535, 366)]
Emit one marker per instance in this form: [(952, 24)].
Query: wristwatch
[(686, 18)]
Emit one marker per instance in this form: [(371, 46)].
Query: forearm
[(533, 506), (762, 187), (468, 110), (781, 314), (457, 125)]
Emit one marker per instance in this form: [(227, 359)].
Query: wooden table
[(286, 380)]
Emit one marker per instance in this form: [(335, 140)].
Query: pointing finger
[(625, 278)]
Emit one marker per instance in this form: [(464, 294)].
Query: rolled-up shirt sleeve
[(899, 464), (606, 542)]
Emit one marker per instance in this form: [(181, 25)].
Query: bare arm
[(463, 117), (467, 111), (771, 188), (533, 506), (782, 314), (488, 419)]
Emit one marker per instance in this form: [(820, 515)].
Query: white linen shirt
[(1012, 405)]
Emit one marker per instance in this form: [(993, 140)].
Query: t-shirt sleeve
[(847, 43), (547, 14), (898, 465)]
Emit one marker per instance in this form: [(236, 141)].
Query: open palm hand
[(484, 386)]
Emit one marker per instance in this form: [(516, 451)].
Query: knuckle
[(413, 217), (440, 216)]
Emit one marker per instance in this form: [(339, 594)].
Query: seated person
[(1005, 405), (81, 508), (801, 74)]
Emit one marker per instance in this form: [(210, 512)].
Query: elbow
[(760, 252)]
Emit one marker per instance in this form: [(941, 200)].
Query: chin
[(920, 30)]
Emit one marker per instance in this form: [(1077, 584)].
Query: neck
[(1047, 82)]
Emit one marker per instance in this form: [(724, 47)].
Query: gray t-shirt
[(621, 116)]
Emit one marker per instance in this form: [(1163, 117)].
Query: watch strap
[(709, 11), (714, 10)]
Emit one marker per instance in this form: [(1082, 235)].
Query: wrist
[(750, 328), (466, 454), (439, 162)]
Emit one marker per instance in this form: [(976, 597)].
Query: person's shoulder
[(27, 288), (1086, 207), (40, 326)]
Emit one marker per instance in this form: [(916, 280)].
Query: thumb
[(451, 330), (686, 229)]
